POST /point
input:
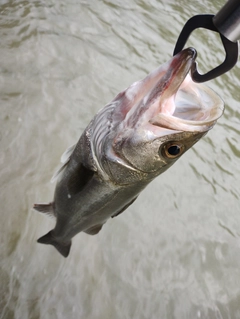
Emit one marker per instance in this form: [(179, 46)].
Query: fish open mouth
[(184, 105)]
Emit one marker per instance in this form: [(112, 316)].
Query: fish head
[(162, 116)]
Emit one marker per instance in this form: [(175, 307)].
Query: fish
[(142, 132)]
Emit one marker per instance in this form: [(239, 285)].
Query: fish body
[(128, 143)]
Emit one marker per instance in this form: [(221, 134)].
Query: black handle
[(227, 20)]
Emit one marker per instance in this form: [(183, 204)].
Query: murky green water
[(175, 253)]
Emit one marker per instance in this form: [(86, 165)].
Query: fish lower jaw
[(176, 124)]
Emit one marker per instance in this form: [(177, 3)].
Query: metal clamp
[(231, 48)]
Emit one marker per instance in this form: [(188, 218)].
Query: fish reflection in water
[(132, 140)]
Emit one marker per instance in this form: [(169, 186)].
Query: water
[(175, 252)]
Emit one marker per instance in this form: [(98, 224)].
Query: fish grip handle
[(231, 48)]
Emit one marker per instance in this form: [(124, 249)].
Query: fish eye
[(172, 150)]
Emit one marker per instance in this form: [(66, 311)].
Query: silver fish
[(128, 143)]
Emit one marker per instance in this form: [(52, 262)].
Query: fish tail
[(49, 239)]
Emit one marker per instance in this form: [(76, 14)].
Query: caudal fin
[(49, 239)]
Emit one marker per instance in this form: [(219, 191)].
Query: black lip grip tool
[(227, 23)]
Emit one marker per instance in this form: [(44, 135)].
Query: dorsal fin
[(58, 172), (66, 155), (64, 159), (45, 209)]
